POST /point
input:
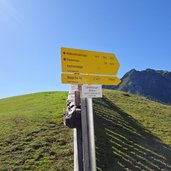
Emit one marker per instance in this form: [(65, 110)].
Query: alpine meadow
[(131, 133)]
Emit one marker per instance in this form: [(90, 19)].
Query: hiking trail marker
[(89, 67), (87, 71)]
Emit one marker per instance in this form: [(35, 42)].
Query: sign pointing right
[(89, 79), (88, 62), (89, 67)]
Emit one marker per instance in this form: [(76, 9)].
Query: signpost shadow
[(123, 143)]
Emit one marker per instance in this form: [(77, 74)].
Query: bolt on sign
[(89, 67)]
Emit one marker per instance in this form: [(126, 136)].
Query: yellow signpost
[(89, 79), (89, 67), (86, 67), (89, 62)]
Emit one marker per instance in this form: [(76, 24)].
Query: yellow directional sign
[(88, 62), (89, 79)]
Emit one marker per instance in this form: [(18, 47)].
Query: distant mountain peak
[(153, 84)]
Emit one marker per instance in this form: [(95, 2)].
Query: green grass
[(132, 133), (32, 135)]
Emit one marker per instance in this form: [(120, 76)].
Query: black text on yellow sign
[(89, 79), (88, 62)]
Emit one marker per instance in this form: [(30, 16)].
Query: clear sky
[(33, 31)]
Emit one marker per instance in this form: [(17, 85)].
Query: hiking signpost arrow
[(89, 67), (86, 71)]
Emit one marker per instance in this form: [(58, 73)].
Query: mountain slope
[(150, 83), (32, 135), (132, 133)]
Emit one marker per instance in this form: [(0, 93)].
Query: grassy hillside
[(32, 135), (132, 133)]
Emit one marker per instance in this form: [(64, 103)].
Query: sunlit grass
[(32, 134), (132, 133)]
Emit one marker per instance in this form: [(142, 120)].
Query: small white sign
[(73, 87), (71, 94), (71, 97), (91, 91)]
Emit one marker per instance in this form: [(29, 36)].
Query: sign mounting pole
[(78, 148), (91, 133), (89, 155), (85, 135)]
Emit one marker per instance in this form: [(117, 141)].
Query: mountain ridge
[(150, 83)]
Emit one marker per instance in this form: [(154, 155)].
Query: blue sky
[(33, 31)]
